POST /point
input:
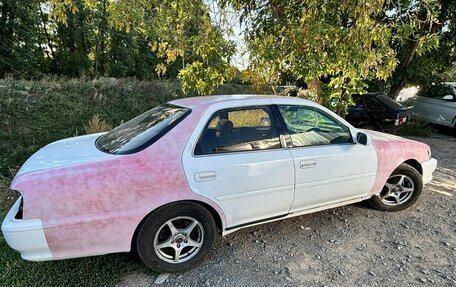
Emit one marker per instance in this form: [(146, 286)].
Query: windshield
[(141, 131), (390, 102)]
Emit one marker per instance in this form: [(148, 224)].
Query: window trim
[(289, 142), (274, 121)]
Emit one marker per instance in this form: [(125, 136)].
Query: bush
[(416, 127), (34, 113), (97, 125)]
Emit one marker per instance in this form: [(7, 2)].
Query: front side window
[(309, 127), (390, 102), (141, 131), (243, 129)]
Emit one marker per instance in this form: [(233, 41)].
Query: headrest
[(224, 126)]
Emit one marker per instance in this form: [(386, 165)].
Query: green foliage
[(19, 53), (426, 48), (343, 43), (143, 39), (176, 31), (416, 127), (203, 79)]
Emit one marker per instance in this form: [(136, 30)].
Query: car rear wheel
[(175, 237), (401, 190)]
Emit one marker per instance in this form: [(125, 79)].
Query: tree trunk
[(99, 65), (399, 75), (6, 38), (49, 42), (315, 86)]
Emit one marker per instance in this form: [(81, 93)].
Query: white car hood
[(65, 152)]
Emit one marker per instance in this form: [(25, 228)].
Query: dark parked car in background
[(375, 111)]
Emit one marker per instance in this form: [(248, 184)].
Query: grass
[(416, 127), (104, 270)]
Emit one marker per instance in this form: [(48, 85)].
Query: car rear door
[(235, 158), (329, 166)]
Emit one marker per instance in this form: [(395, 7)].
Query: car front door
[(238, 162), (329, 166)]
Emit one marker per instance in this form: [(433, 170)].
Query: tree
[(340, 44), (20, 49), (420, 66), (176, 30)]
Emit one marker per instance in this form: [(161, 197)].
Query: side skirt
[(232, 229)]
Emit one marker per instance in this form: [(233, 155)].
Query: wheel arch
[(215, 215), (415, 164)]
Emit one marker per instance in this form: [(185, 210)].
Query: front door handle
[(310, 163), (205, 176)]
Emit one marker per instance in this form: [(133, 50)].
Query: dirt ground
[(348, 246)]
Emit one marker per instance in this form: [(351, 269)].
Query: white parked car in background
[(436, 104)]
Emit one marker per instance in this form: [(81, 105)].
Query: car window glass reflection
[(308, 127), (239, 130)]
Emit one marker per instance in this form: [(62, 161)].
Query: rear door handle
[(205, 176), (310, 163)]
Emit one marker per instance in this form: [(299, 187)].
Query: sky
[(230, 24)]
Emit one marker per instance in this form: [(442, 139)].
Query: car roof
[(204, 101)]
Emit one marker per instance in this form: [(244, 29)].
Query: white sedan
[(163, 183)]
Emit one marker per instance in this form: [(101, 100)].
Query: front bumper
[(429, 167), (25, 236)]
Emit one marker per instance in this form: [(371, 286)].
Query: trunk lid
[(65, 152)]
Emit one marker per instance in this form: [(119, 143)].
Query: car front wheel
[(175, 237), (401, 190)]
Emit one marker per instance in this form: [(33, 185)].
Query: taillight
[(400, 121)]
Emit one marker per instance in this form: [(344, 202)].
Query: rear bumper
[(25, 236), (429, 167)]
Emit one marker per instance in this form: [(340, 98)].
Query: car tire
[(402, 190), (175, 237)]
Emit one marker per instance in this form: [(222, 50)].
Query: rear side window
[(372, 104), (390, 102), (243, 129), (142, 131)]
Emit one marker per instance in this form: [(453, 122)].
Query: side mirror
[(361, 138), (448, 98)]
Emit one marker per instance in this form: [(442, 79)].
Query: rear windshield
[(141, 131), (390, 102)]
